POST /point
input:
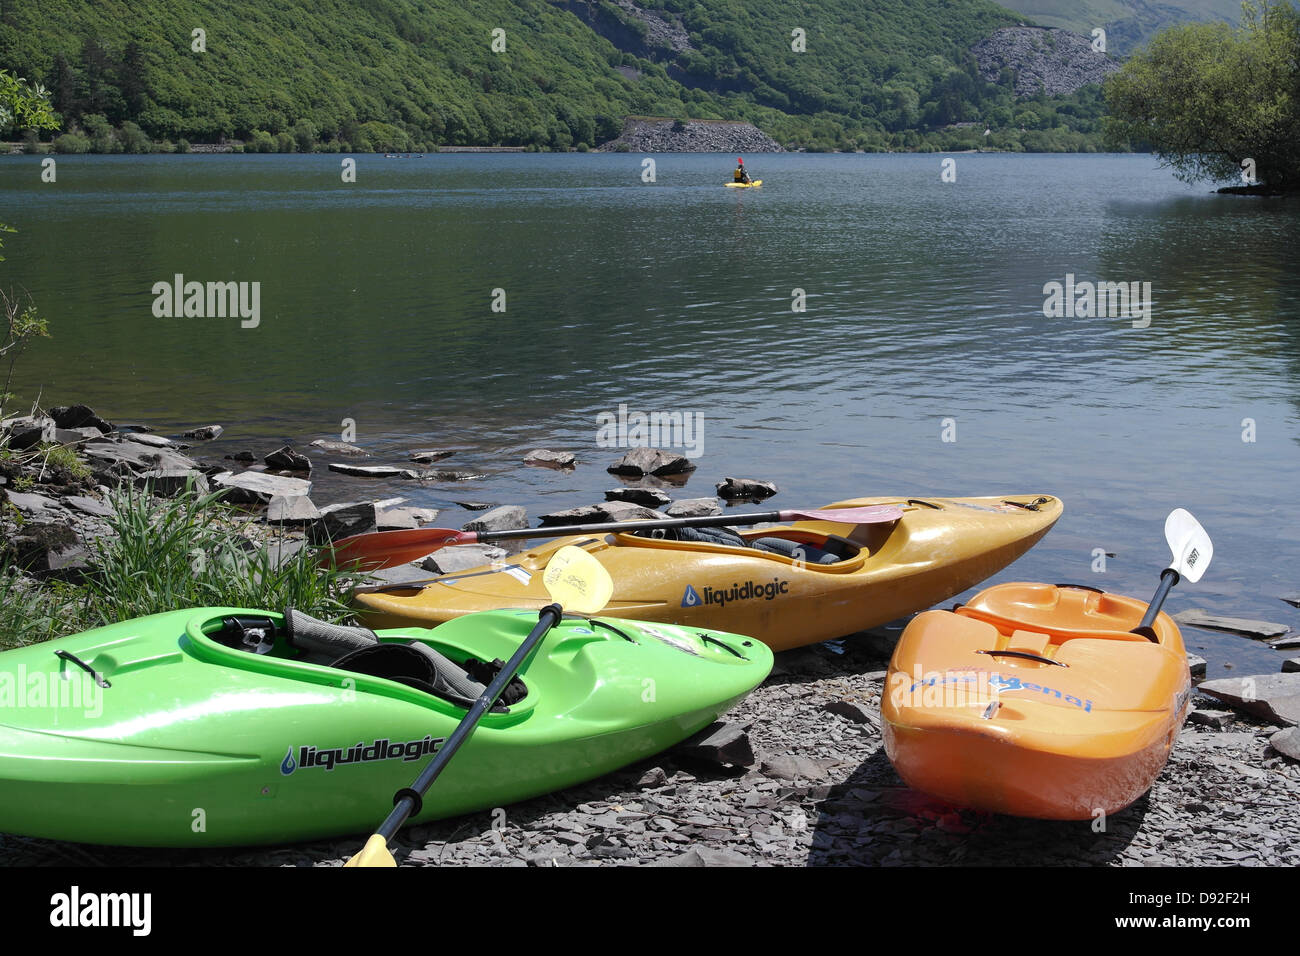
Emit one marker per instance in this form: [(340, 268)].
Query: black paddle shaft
[(1168, 578), (559, 530), (408, 802)]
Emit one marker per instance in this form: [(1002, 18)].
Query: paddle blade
[(1191, 546), (374, 853), (388, 549), (871, 514), (577, 581)]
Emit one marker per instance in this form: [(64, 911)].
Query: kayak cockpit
[(1054, 614), (296, 646), (808, 548)]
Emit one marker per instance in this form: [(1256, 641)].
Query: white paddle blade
[(577, 581), (1191, 546)]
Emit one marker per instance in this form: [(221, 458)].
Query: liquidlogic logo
[(310, 757), (967, 686), (749, 591)]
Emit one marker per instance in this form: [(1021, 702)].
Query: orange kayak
[(1036, 700), (938, 548)]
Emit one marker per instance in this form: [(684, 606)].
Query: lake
[(922, 320)]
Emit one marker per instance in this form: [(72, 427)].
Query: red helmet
[(739, 160)]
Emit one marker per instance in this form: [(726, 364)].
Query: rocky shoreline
[(810, 786), (795, 775)]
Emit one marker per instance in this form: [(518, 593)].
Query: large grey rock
[(371, 471), (30, 502), (427, 456), (90, 506), (258, 488), (725, 742), (1285, 643), (550, 459), (1199, 617), (1287, 742), (461, 557), (144, 438), (504, 518), (626, 511), (588, 514), (120, 458), (445, 475), (205, 432), (79, 416), (1291, 666), (401, 574), (291, 510), (752, 489), (286, 459), (646, 497), (28, 431), (693, 508), (396, 519), (344, 520), (47, 549), (651, 461), (170, 482), (1196, 665), (338, 447), (1293, 598), (75, 436), (1274, 697)]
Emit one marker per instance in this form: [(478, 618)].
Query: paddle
[(575, 580), (387, 549), (1192, 551)]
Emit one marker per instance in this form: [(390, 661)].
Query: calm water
[(924, 302)]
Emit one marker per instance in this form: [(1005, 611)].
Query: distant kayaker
[(742, 176)]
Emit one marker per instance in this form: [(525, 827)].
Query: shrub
[(72, 143)]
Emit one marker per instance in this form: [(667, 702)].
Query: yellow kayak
[(874, 573), (750, 185)]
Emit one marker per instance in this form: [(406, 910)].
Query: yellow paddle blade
[(577, 581), (374, 853)]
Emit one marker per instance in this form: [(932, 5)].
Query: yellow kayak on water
[(749, 185), (871, 574)]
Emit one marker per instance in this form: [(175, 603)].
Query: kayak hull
[(1079, 728), (940, 547), (750, 185), (198, 744)]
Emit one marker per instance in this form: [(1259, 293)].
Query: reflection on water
[(924, 303)]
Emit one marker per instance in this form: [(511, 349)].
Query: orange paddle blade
[(388, 549)]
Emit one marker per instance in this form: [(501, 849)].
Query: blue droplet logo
[(690, 598), (288, 765)]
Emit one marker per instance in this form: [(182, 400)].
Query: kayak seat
[(359, 651), (795, 550)]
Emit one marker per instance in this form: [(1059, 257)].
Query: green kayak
[(220, 726)]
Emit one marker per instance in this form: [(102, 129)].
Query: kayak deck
[(938, 548), (196, 742), (1035, 700)]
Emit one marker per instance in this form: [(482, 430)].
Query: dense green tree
[(1207, 98), (401, 72)]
